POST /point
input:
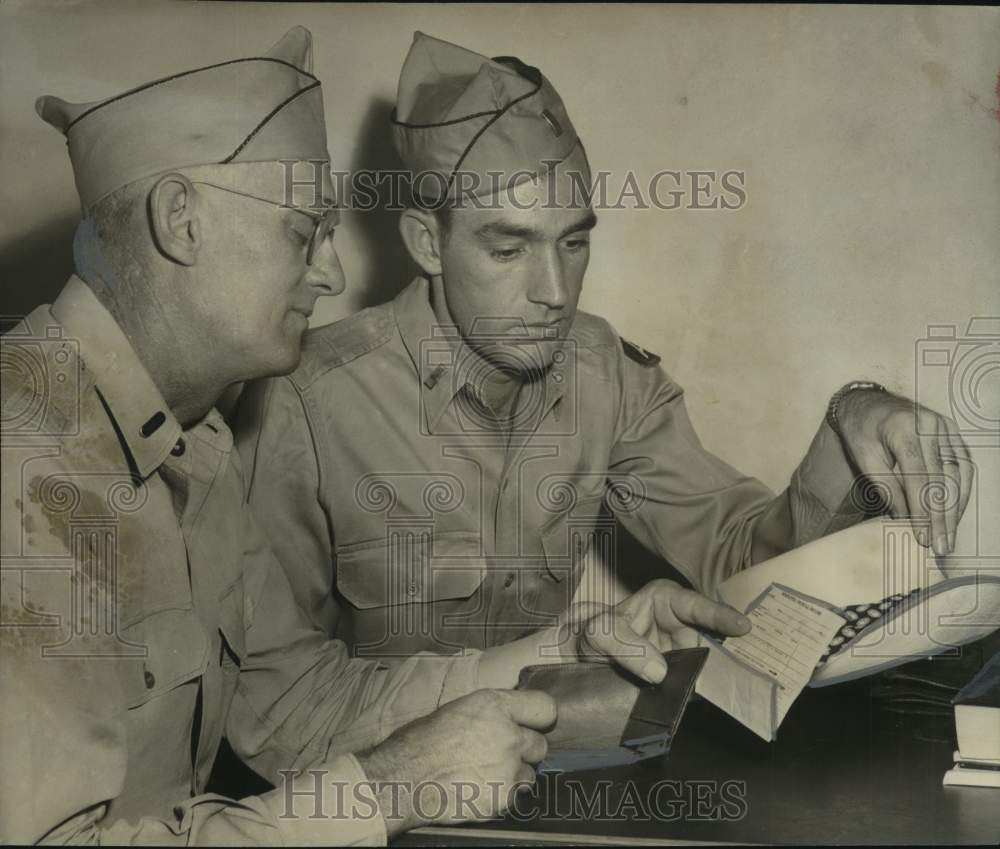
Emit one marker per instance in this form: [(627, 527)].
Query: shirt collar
[(433, 348), (441, 357), (145, 424)]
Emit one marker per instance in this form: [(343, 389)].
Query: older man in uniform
[(435, 473), (144, 615)]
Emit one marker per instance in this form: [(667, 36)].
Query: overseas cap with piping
[(258, 109), (460, 115)]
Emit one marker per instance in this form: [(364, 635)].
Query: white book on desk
[(879, 562), (967, 773), (978, 730), (977, 720)]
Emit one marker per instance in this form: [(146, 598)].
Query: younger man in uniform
[(438, 470)]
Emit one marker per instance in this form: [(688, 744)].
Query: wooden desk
[(843, 770)]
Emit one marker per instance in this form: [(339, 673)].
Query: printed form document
[(756, 678)]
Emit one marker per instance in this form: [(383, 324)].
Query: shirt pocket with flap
[(176, 651), (410, 567)]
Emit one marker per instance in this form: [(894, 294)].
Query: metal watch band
[(831, 409)]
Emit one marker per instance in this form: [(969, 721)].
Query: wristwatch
[(831, 409)]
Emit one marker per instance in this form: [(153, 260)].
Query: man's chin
[(284, 359), (291, 361)]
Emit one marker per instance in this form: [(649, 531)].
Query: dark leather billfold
[(608, 717)]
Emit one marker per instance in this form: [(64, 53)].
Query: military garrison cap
[(460, 116), (257, 109)]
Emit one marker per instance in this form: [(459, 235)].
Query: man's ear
[(173, 218), (422, 236)]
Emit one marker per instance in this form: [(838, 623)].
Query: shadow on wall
[(34, 268), (377, 230)]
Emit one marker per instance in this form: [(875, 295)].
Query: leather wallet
[(608, 717)]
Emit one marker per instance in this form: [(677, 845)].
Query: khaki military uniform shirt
[(407, 519), (144, 616)]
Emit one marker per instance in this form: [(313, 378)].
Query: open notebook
[(851, 604)]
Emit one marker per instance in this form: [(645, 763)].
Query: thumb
[(611, 636), (530, 708)]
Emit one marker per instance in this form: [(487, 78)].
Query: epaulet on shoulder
[(332, 345), (42, 390), (593, 331), (639, 355)]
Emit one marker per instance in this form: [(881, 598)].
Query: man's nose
[(326, 274), (548, 285)]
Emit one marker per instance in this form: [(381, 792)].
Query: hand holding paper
[(790, 633), (659, 617), (872, 600)]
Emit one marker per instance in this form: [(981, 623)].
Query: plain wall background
[(869, 136)]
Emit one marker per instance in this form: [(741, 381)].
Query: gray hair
[(110, 239)]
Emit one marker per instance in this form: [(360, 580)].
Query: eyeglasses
[(323, 222)]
